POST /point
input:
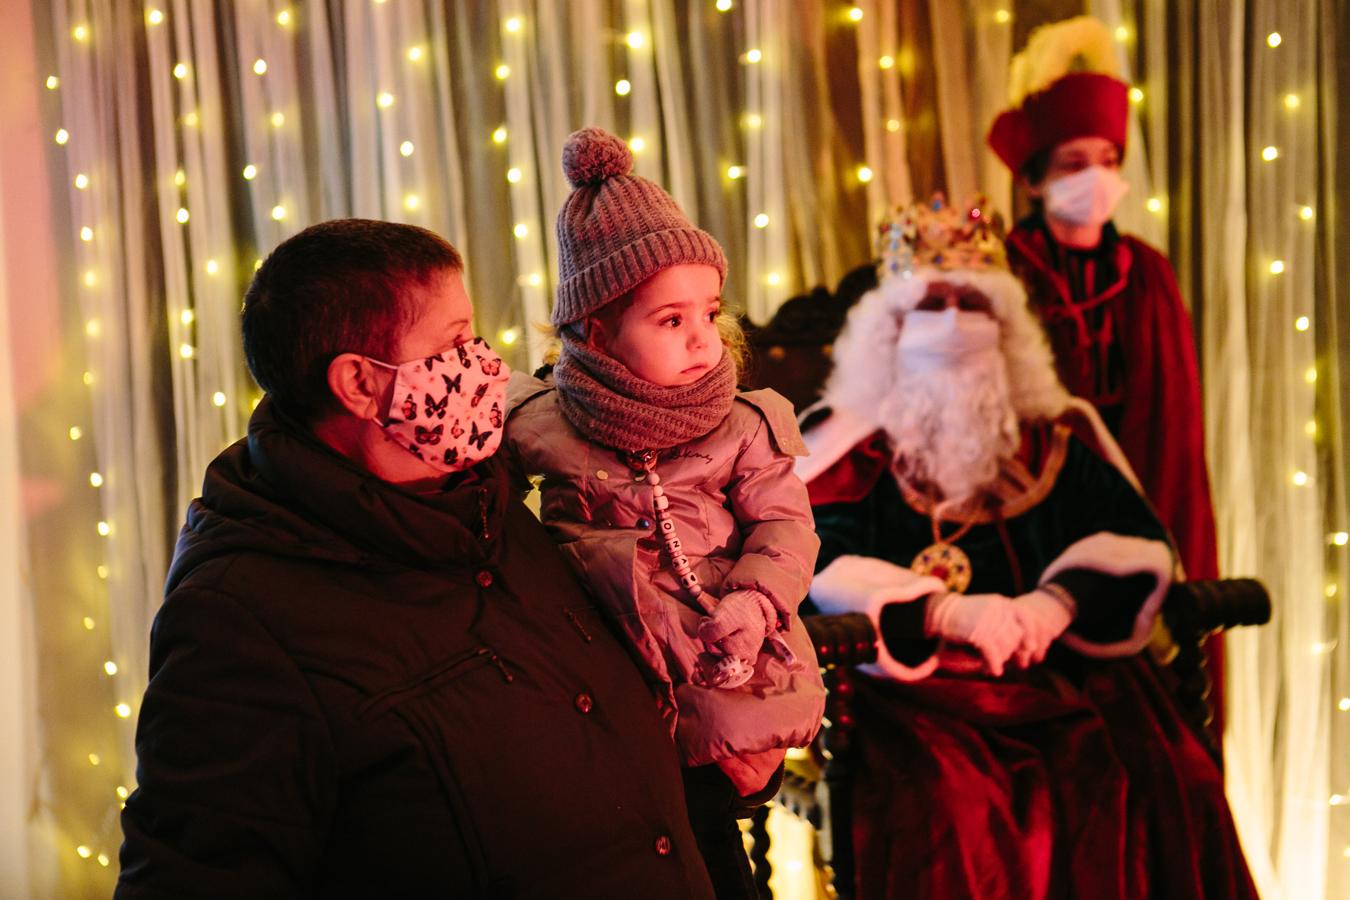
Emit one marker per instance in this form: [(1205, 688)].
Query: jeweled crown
[(935, 235)]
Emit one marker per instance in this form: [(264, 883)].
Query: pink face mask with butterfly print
[(447, 409)]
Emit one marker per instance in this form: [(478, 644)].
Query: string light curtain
[(189, 137), (1239, 105)]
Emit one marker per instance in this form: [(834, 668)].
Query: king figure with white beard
[(1013, 740)]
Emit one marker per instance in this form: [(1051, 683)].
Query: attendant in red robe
[(1120, 331), (1012, 741)]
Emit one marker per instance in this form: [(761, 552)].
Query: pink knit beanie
[(617, 230)]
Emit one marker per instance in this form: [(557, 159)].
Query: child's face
[(668, 334)]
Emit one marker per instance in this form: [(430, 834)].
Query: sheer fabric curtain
[(1240, 115)]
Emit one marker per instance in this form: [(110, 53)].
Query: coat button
[(484, 578), (663, 846), (644, 522), (601, 474), (583, 703)]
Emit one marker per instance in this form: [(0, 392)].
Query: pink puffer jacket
[(745, 522)]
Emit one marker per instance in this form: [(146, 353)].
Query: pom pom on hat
[(592, 155)]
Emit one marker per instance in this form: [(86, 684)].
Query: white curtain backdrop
[(186, 138)]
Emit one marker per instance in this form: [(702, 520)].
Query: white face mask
[(931, 341), (1087, 197), (447, 409)]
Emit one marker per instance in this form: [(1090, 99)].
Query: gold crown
[(935, 235)]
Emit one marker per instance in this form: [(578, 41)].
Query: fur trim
[(1117, 554), (1080, 44), (864, 584), (865, 371), (830, 441)]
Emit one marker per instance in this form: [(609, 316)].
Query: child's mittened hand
[(738, 624)]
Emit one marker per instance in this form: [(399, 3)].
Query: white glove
[(1043, 615), (987, 622), (738, 624)]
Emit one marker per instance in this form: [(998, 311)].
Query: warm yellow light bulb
[(81, 181), (110, 667), (180, 178), (93, 328), (892, 125), (535, 280), (723, 5), (90, 280), (734, 172), (502, 72), (1302, 323), (154, 16), (1122, 33), (1300, 478), (104, 860), (521, 230), (1310, 428), (406, 148), (75, 432), (101, 572), (1136, 95), (278, 212), (623, 87), (122, 792), (86, 234), (637, 144), (53, 82), (513, 175), (95, 759), (212, 267), (180, 71), (855, 14), (762, 220), (499, 134), (412, 202), (773, 279), (508, 337), (1270, 153), (1002, 16), (384, 99), (1277, 267), (864, 174), (754, 55), (1291, 101), (123, 710), (187, 351), (182, 215), (1305, 213), (260, 67), (1344, 705), (88, 623), (95, 479), (284, 17), (636, 40), (1274, 39), (87, 378), (218, 398), (250, 172), (753, 120), (62, 136), (1340, 538), (1154, 204), (513, 24), (84, 851), (1310, 375), (186, 316), (104, 529), (191, 119), (887, 62), (277, 119), (80, 33)]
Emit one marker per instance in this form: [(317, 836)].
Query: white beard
[(950, 428)]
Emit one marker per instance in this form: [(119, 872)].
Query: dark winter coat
[(356, 691)]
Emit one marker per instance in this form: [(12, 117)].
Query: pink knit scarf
[(612, 406)]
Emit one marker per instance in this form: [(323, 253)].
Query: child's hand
[(738, 625)]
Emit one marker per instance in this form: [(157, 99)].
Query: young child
[(672, 493)]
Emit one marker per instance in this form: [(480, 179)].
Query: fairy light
[(180, 178), (1310, 375), (1340, 538), (735, 172), (415, 54), (1291, 101), (250, 172), (1300, 478), (75, 433), (637, 144), (154, 16), (187, 351), (754, 55), (412, 202), (1274, 40), (1337, 800), (535, 279), (104, 860), (521, 230), (260, 67), (1344, 705), (104, 529), (84, 852), (52, 82), (886, 62), (406, 148), (1154, 204), (636, 40), (753, 120), (90, 279), (864, 174), (92, 328), (623, 87), (723, 6), (278, 212), (1136, 95), (88, 623), (81, 181), (122, 792), (284, 18), (1277, 267), (1002, 16), (95, 759), (762, 220), (773, 279), (182, 215), (508, 337), (87, 379), (277, 119), (102, 572), (1270, 153), (513, 175), (1310, 428), (80, 33), (191, 119), (384, 99), (86, 234), (513, 24), (1305, 213), (1301, 323), (123, 710), (180, 71), (218, 398), (855, 14), (95, 479), (187, 316), (892, 125), (502, 72), (499, 135), (212, 267), (1122, 33), (62, 136), (110, 667)]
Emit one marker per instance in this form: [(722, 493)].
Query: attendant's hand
[(738, 624), (1043, 614), (986, 622)]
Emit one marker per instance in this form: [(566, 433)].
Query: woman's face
[(1075, 156)]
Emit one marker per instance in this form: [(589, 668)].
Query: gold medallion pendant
[(947, 563)]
